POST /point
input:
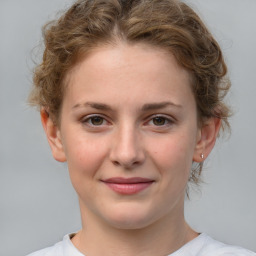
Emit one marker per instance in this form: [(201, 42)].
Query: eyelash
[(87, 120), (167, 121)]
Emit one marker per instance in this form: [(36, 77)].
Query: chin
[(129, 218), (129, 223)]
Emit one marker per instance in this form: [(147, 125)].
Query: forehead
[(138, 59), (124, 71)]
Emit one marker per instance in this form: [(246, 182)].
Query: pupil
[(159, 121), (97, 120)]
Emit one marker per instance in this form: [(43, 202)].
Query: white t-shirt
[(203, 245)]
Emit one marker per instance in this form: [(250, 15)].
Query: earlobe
[(53, 136), (207, 136)]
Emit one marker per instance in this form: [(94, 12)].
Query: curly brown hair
[(168, 24)]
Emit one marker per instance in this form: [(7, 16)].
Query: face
[(129, 133)]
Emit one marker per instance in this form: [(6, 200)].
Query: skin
[(129, 111)]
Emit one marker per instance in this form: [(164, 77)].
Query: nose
[(127, 150)]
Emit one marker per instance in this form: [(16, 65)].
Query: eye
[(94, 120), (160, 121)]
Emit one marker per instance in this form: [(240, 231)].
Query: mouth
[(128, 186)]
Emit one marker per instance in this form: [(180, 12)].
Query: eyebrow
[(160, 105), (99, 106), (146, 107)]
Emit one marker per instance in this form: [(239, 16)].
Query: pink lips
[(128, 186)]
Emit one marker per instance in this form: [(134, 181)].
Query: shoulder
[(63, 248), (55, 250), (204, 245), (215, 248)]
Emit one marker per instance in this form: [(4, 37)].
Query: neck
[(160, 238)]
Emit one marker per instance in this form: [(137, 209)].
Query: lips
[(128, 186)]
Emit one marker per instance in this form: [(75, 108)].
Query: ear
[(207, 136), (53, 136)]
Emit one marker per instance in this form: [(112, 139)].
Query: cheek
[(172, 158), (84, 157), (173, 155)]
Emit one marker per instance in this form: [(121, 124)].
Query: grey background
[(37, 202)]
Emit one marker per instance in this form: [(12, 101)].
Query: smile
[(128, 186)]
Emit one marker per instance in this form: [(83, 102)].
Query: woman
[(131, 97)]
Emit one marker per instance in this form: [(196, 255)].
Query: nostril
[(127, 153), (115, 163), (126, 165)]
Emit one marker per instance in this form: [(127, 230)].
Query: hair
[(167, 24)]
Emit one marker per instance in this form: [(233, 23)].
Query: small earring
[(202, 156)]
